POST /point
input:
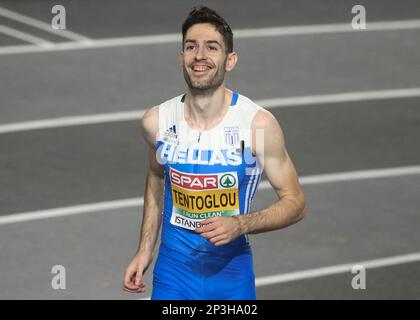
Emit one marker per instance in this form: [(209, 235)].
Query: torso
[(207, 174)]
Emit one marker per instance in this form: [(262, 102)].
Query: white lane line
[(267, 103), (71, 121), (138, 202), (42, 25), (25, 36), (353, 175), (326, 28), (340, 97), (95, 44), (331, 270), (238, 34), (73, 210)]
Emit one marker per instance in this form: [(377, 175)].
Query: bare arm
[(152, 208), (281, 173)]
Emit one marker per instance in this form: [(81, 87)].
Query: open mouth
[(200, 69)]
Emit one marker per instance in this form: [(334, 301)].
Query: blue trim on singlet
[(235, 97)]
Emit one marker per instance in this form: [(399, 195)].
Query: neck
[(203, 110)]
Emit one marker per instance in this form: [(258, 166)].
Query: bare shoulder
[(267, 134), (150, 124), (264, 119)]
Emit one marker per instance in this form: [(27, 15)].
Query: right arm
[(152, 208)]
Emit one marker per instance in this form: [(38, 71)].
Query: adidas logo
[(170, 135)]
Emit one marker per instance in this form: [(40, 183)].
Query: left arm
[(281, 174)]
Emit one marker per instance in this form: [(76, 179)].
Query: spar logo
[(203, 181), (194, 181), (227, 180)]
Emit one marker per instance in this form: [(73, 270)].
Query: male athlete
[(208, 149)]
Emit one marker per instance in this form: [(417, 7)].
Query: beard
[(205, 85)]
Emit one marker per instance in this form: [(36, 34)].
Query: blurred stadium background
[(73, 164)]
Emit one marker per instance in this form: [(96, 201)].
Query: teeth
[(200, 68)]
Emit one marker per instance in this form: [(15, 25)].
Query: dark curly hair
[(202, 14)]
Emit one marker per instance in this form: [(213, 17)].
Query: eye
[(211, 48), (189, 47)]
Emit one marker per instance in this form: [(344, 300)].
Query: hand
[(133, 279), (220, 230)]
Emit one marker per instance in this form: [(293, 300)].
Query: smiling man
[(208, 149)]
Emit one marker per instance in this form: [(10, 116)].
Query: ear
[(231, 61), (181, 58)]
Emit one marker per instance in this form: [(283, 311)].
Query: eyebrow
[(207, 41)]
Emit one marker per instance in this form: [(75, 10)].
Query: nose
[(200, 53)]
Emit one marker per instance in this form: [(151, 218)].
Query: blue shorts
[(204, 276)]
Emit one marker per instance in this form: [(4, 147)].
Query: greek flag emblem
[(232, 135)]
